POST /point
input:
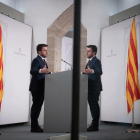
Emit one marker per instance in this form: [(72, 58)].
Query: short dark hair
[(40, 46), (93, 47)]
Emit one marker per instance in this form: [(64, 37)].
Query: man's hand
[(88, 70), (55, 71), (45, 70)]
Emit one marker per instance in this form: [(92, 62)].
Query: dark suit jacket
[(94, 80), (38, 79)]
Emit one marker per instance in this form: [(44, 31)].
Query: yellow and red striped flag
[(1, 68), (132, 82)]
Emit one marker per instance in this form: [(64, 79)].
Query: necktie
[(88, 64), (45, 63)]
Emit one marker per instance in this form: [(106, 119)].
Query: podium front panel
[(58, 102)]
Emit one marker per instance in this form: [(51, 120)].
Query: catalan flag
[(1, 68), (132, 82)]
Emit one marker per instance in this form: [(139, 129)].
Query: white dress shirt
[(43, 60), (90, 61)]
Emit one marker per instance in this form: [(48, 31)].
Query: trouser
[(93, 98), (37, 98)]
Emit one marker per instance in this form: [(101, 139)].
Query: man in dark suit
[(38, 70), (94, 71)]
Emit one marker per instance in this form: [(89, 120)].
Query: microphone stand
[(67, 63)]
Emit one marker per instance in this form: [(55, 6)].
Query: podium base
[(67, 137), (133, 131)]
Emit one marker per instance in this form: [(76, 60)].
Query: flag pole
[(133, 118), (133, 130)]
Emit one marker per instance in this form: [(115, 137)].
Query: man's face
[(89, 53), (43, 52)]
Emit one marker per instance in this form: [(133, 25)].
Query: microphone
[(67, 63)]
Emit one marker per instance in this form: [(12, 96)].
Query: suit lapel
[(92, 61), (40, 60)]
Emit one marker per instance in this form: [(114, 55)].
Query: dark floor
[(106, 132)]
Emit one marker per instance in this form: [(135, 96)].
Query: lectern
[(58, 102)]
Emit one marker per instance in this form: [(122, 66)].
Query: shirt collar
[(42, 57), (92, 58)]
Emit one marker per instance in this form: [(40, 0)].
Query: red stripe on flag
[(0, 85), (0, 106), (133, 77), (0, 62), (130, 91), (128, 108), (133, 50), (136, 90), (131, 70)]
